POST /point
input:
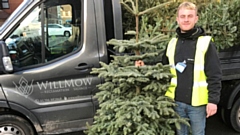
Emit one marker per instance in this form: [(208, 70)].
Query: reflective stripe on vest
[(199, 90)]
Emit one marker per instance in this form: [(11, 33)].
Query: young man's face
[(186, 19)]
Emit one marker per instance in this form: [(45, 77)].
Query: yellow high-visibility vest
[(199, 90)]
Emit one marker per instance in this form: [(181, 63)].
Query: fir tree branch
[(127, 8), (154, 8)]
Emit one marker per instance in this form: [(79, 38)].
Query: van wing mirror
[(5, 60)]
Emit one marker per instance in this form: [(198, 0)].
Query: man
[(196, 68)]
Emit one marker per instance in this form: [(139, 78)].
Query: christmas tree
[(132, 99)]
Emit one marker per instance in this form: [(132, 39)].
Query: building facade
[(7, 7)]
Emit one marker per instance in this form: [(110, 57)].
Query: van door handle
[(84, 66)]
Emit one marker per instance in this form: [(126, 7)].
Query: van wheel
[(67, 34), (235, 116), (14, 125), (225, 115)]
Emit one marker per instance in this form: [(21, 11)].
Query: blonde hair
[(187, 5)]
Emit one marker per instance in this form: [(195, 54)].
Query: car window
[(58, 26), (25, 43), (50, 26)]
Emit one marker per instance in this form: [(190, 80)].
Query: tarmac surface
[(214, 126)]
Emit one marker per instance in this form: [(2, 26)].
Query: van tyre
[(235, 116), (14, 125), (225, 115)]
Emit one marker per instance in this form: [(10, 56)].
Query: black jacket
[(185, 50)]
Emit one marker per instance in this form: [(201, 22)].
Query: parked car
[(67, 23), (58, 30)]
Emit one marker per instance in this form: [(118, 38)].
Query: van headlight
[(7, 63)]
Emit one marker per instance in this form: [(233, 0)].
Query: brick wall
[(13, 4)]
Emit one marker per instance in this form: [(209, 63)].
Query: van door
[(51, 75)]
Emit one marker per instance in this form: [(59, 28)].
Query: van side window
[(61, 34)]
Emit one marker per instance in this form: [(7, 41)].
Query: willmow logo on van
[(26, 88), (64, 84)]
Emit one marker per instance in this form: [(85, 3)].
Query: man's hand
[(211, 109), (139, 63)]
